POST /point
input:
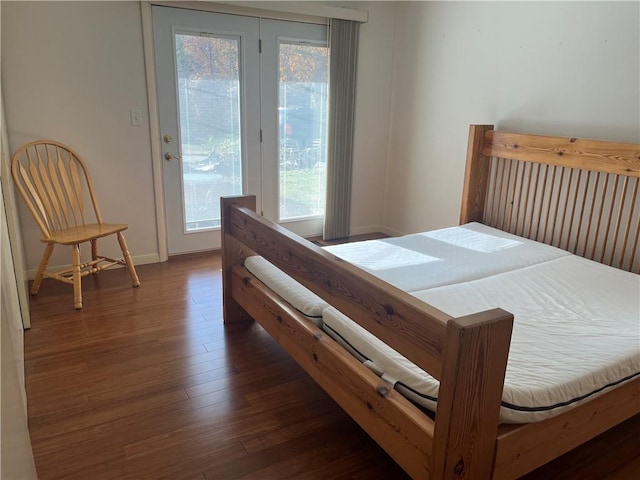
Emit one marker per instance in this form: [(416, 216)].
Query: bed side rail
[(395, 423), (404, 322), (523, 448)]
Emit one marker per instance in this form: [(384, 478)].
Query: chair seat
[(84, 233)]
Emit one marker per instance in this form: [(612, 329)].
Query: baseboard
[(363, 230), (354, 231), (146, 259), (137, 260), (392, 232)]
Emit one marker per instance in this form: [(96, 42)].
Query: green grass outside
[(302, 192)]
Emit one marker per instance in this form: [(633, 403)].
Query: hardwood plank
[(630, 470), (318, 240), (258, 443), (220, 404), (70, 420), (251, 381)]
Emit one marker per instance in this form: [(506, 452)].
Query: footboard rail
[(468, 354)]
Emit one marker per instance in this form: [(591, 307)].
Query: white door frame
[(154, 128), (16, 456), (298, 11), (13, 222)]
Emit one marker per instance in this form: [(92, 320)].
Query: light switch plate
[(136, 118)]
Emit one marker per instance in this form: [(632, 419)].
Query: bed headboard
[(580, 195)]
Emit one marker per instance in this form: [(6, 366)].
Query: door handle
[(170, 156)]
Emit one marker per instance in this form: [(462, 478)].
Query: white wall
[(558, 68), (72, 71), (373, 109)]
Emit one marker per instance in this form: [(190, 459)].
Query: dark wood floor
[(147, 383), (353, 238)]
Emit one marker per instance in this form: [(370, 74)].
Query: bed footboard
[(233, 253), (468, 355)]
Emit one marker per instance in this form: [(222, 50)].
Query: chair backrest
[(53, 181)]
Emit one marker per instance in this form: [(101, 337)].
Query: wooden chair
[(55, 184)]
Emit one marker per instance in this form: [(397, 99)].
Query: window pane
[(303, 114), (209, 104)]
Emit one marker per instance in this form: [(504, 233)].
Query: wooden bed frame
[(579, 194)]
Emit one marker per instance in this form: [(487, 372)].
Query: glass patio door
[(236, 121), (205, 88), (294, 122)]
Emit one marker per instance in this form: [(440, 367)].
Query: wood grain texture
[(53, 185), (470, 392), (61, 214), (587, 154), (476, 176), (527, 447), (148, 383), (233, 254), (407, 324), (604, 201), (397, 425), (84, 233), (410, 328), (631, 469), (616, 450)]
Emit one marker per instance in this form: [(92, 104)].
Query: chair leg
[(128, 260), (42, 268), (77, 278), (94, 249)]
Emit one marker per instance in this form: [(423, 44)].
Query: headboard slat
[(616, 229), (543, 188), (634, 199)]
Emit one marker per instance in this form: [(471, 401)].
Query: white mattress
[(444, 257), (416, 262), (299, 297), (576, 335)]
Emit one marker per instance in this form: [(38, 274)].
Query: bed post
[(476, 176), (473, 369), (233, 253)]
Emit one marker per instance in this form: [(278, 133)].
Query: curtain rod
[(308, 12)]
